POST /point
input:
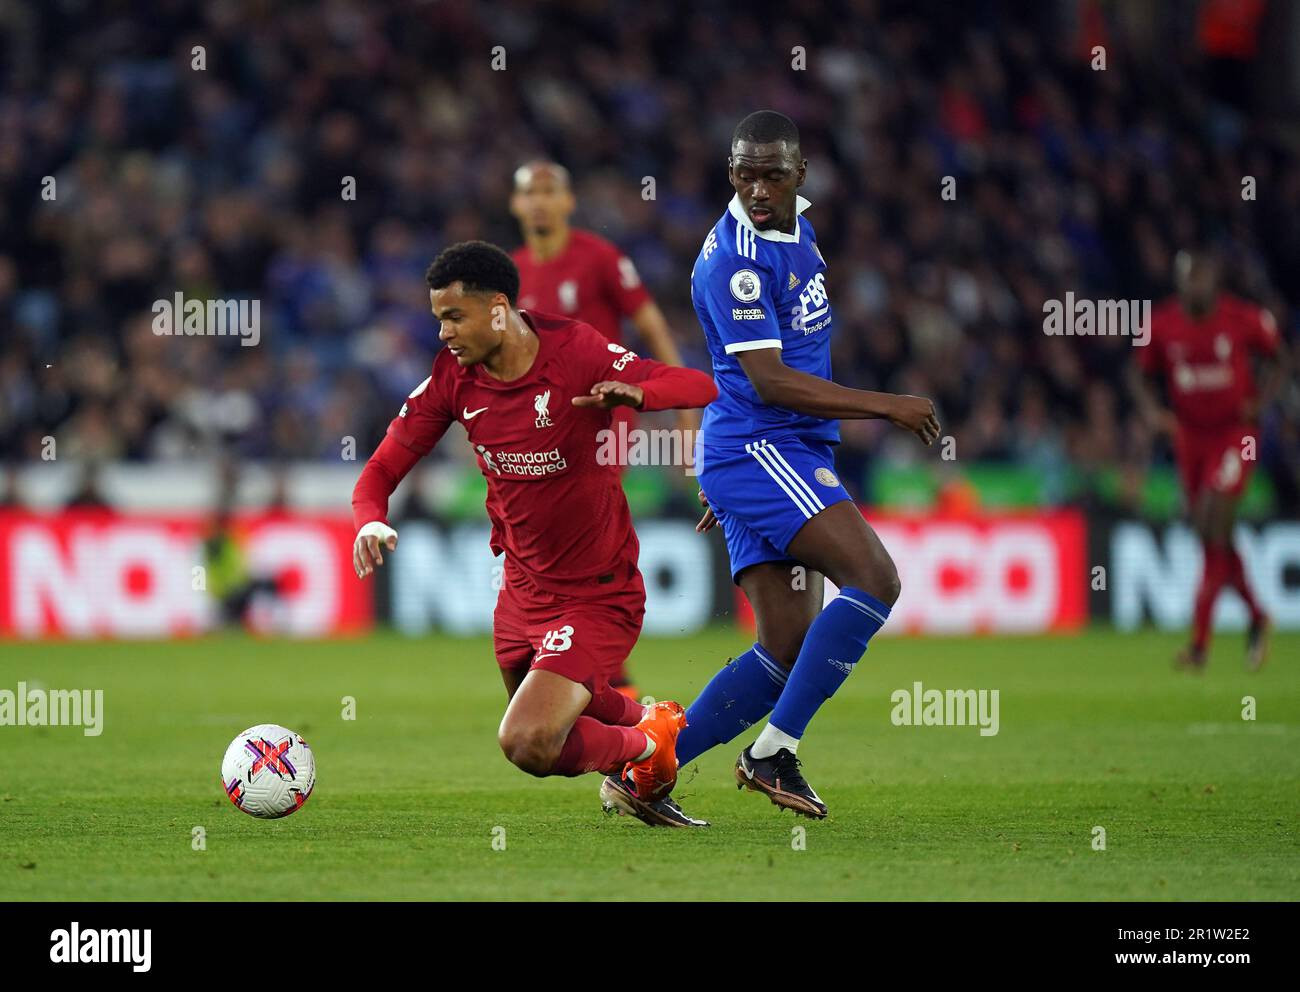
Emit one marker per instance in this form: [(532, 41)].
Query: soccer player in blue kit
[(766, 465)]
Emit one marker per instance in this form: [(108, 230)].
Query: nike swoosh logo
[(470, 416), (553, 654)]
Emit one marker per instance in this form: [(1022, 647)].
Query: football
[(268, 771)]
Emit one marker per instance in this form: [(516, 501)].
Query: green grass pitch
[(1095, 731)]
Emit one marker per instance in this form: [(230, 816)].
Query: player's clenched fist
[(607, 395), (366, 553), (916, 414)]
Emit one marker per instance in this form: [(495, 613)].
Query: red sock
[(595, 746), (1212, 580), (612, 707), (1236, 577)]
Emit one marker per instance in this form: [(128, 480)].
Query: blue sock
[(735, 699), (835, 643)]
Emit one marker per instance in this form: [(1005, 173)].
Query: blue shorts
[(763, 492)]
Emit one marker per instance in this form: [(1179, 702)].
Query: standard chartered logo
[(527, 462), (488, 460)]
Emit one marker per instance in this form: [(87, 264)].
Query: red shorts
[(586, 641), (1219, 460)]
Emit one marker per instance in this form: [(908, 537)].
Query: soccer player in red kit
[(1203, 344), (569, 271), (533, 390)]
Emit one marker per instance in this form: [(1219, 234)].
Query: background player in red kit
[(532, 391), (573, 272), (1203, 344)]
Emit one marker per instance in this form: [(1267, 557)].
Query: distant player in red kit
[(569, 271), (533, 390), (1203, 344), (579, 274)]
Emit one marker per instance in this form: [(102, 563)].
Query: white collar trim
[(736, 210)]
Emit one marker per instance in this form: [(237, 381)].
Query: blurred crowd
[(205, 148)]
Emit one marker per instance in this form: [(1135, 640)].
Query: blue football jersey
[(761, 289)]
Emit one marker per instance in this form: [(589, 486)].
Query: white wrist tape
[(379, 529)]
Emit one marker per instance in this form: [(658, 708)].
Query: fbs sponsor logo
[(813, 302), (32, 706), (77, 946), (921, 707)]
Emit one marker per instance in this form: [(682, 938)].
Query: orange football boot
[(657, 774)]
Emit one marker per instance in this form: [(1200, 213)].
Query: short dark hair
[(480, 267), (764, 127)]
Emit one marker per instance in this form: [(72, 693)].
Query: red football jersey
[(559, 515), (590, 280), (1206, 363)]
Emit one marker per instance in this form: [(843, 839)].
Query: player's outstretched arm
[(653, 327), (412, 434), (384, 470), (609, 394), (779, 385), (649, 385)]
